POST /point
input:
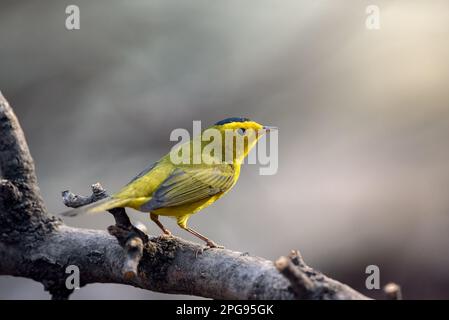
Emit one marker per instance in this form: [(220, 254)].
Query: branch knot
[(9, 192)]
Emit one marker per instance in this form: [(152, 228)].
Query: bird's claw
[(209, 245), (166, 234), (212, 245)]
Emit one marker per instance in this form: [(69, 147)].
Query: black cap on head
[(230, 120)]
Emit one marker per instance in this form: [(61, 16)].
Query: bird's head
[(249, 131), (238, 124)]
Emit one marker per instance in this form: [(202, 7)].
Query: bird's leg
[(155, 218), (182, 223), (209, 242)]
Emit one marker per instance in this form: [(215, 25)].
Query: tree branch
[(36, 245)]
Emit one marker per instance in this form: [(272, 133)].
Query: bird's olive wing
[(190, 184)]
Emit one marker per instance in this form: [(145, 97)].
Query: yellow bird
[(180, 190)]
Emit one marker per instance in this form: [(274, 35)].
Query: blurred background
[(363, 115)]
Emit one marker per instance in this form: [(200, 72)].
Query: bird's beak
[(270, 128)]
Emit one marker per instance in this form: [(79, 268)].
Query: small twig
[(393, 291), (299, 281), (132, 239), (134, 251), (72, 200), (296, 258)]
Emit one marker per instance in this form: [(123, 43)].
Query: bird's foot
[(166, 234), (210, 245)]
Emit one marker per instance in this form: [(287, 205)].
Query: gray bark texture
[(34, 244)]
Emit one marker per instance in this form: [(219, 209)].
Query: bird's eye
[(241, 131)]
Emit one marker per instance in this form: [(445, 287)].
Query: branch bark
[(36, 245)]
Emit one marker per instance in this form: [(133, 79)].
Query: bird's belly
[(186, 209)]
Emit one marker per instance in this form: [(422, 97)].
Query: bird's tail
[(99, 206)]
